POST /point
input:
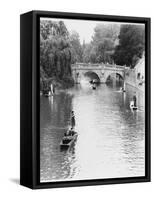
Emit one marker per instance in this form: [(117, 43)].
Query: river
[(111, 137)]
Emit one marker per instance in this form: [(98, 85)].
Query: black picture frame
[(30, 99)]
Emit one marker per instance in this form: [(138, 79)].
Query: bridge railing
[(96, 65), (114, 66), (85, 65)]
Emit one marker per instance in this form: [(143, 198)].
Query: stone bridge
[(102, 71)]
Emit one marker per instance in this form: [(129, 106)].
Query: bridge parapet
[(114, 66), (96, 66), (86, 64)]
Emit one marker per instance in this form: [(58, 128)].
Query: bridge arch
[(92, 75), (114, 75)]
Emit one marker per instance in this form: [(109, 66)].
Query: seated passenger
[(71, 132), (65, 134)]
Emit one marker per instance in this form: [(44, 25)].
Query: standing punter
[(135, 99), (72, 119)]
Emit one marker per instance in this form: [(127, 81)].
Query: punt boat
[(68, 141)]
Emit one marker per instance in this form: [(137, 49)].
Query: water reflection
[(110, 139)]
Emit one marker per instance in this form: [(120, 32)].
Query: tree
[(76, 48), (55, 51), (131, 45), (52, 28), (102, 44), (89, 53), (106, 31)]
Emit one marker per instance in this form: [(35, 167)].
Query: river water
[(111, 137)]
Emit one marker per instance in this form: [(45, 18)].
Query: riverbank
[(65, 83), (136, 77)]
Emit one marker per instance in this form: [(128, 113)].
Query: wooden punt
[(68, 141)]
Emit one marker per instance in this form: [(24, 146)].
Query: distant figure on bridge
[(72, 119)]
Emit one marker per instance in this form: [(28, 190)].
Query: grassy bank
[(66, 82)]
